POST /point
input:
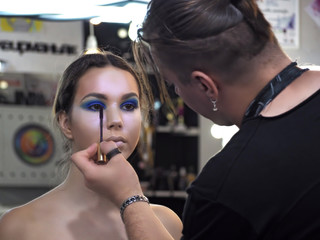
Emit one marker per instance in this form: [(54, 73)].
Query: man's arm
[(142, 224), (117, 181)]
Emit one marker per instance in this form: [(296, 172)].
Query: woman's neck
[(75, 189)]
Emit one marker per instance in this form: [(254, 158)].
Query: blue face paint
[(130, 104), (93, 105)]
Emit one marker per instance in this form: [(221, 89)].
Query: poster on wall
[(30, 147), (34, 144), (283, 16), (313, 10), (34, 46)]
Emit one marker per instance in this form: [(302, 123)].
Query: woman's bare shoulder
[(18, 223), (14, 222), (169, 219)]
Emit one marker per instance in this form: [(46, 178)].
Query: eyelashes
[(95, 106), (130, 105)]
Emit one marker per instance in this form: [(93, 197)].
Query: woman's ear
[(206, 83), (64, 123)]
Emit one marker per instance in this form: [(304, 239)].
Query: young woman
[(227, 65), (71, 211)]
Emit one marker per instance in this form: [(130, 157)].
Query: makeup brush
[(101, 157), (101, 123)]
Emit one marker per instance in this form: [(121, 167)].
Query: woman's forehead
[(110, 80)]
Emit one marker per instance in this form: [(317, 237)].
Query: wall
[(309, 51), (35, 53), (30, 46)]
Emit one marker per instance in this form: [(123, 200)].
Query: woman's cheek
[(136, 129), (85, 128), (85, 118), (132, 126)]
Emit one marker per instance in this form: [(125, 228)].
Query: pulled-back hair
[(208, 35), (69, 81)]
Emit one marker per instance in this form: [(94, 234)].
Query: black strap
[(112, 153), (272, 89)]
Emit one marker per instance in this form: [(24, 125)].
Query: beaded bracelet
[(130, 200)]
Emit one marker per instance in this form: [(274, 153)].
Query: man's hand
[(115, 180)]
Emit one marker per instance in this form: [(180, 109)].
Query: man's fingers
[(91, 150), (106, 147)]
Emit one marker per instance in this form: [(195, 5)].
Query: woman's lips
[(119, 140)]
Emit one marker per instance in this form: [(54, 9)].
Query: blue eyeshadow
[(90, 104)]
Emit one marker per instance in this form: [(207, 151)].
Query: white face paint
[(116, 91)]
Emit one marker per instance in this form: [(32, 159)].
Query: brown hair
[(68, 85), (208, 35)]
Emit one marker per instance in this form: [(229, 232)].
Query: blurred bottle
[(183, 181)]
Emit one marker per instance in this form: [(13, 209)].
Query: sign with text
[(283, 16), (28, 45)]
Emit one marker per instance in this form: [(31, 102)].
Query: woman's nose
[(113, 118)]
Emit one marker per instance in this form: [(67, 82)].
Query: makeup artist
[(227, 65), (96, 90)]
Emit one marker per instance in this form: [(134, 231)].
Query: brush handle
[(101, 124), (101, 158)]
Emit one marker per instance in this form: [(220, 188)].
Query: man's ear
[(206, 83), (64, 123)]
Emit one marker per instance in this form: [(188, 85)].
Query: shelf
[(191, 131)]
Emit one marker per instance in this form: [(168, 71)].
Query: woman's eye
[(130, 105), (93, 106)]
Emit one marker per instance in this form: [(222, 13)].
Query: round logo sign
[(34, 144)]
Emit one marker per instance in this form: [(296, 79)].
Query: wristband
[(130, 200), (112, 153)]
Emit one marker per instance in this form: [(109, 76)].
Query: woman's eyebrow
[(102, 96), (129, 95), (96, 95)]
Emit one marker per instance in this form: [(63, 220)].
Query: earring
[(214, 102)]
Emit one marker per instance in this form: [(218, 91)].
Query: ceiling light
[(122, 33), (113, 14), (83, 12), (92, 43), (106, 2), (131, 12), (115, 11), (3, 84), (35, 7), (95, 21)]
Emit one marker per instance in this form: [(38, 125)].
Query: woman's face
[(116, 91)]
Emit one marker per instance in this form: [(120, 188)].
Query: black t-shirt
[(265, 183)]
